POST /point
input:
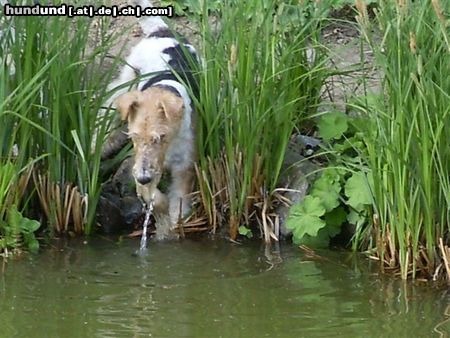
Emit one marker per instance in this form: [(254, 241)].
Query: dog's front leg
[(179, 194), (161, 203)]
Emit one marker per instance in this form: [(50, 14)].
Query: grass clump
[(407, 146), (51, 87), (263, 72)]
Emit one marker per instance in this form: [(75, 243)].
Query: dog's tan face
[(154, 118)]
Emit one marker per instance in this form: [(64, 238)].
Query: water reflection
[(210, 289)]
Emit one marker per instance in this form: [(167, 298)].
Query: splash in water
[(148, 213)]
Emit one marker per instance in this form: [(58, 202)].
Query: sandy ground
[(344, 45)]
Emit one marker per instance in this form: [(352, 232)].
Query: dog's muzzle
[(145, 177)]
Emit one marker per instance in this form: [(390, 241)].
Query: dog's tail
[(149, 24)]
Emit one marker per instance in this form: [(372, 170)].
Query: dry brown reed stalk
[(65, 208), (219, 184), (387, 252), (402, 6), (194, 226), (198, 221), (19, 188), (24, 179), (233, 59), (445, 252), (361, 7), (180, 224), (412, 42), (445, 23), (392, 261), (438, 10)]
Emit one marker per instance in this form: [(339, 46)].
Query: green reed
[(49, 105), (409, 153)]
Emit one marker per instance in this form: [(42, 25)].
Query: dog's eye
[(162, 138)]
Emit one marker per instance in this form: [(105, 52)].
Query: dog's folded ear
[(128, 103), (172, 106)]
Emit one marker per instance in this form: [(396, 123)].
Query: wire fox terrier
[(159, 114)]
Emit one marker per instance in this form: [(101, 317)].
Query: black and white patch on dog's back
[(160, 56), (181, 61)]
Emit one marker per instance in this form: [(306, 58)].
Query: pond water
[(210, 288)]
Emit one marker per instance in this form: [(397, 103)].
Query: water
[(148, 213), (210, 289)]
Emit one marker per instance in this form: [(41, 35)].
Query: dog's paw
[(166, 236), (164, 228)]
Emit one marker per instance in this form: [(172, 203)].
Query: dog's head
[(154, 117)]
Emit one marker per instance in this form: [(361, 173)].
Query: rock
[(109, 216), (297, 175), (131, 209), (119, 207)]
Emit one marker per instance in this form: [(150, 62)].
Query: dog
[(160, 116)]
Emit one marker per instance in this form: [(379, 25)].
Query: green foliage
[(357, 189), (244, 231), (305, 218), (332, 125), (16, 228), (327, 188), (339, 194)]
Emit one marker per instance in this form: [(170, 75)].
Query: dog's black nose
[(144, 179)]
